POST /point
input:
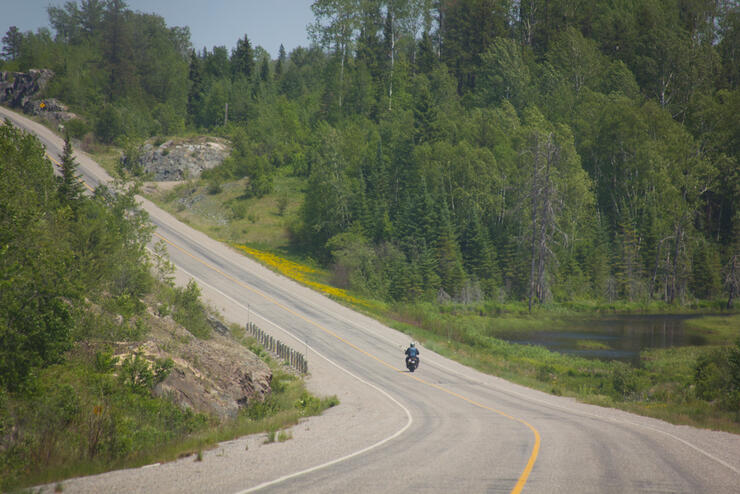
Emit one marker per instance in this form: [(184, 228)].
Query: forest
[(464, 150)]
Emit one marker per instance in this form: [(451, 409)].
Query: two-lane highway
[(445, 428)]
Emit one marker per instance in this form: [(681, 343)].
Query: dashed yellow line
[(54, 160), (535, 449)]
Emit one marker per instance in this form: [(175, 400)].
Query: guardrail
[(291, 357)]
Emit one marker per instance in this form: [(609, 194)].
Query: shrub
[(189, 312), (717, 377), (140, 375), (214, 187), (77, 128), (625, 382)]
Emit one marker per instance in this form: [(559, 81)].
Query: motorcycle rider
[(412, 352)]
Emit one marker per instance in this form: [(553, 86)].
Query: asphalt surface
[(444, 428)]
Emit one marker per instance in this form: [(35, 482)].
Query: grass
[(226, 214), (719, 330)]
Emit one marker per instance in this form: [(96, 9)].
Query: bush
[(189, 312), (140, 375), (77, 128), (717, 377), (214, 187), (626, 382)]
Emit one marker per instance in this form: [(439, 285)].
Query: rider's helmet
[(412, 345)]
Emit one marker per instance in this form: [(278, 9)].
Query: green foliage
[(79, 419), (60, 248), (394, 113), (37, 296)]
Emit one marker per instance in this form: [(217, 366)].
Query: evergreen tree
[(242, 59), (265, 70), (280, 62), (426, 58), (195, 93), (449, 259), (118, 51), (12, 44), (70, 187)]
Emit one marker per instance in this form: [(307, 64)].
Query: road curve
[(445, 428)]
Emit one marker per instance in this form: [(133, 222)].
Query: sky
[(212, 22)]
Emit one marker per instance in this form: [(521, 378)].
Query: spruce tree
[(265, 70), (195, 94), (449, 259), (242, 59), (280, 64), (70, 187)]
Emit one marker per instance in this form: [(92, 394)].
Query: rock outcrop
[(180, 159), (17, 89), (217, 376), (23, 90)]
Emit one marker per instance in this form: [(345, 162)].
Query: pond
[(612, 337)]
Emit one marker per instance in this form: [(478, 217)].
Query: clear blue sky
[(212, 23)]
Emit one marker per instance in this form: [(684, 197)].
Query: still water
[(612, 338)]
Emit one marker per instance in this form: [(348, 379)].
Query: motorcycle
[(412, 363)]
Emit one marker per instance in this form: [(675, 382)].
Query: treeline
[(536, 150)]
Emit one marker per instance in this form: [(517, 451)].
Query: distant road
[(445, 428)]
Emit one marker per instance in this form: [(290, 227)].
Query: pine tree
[(426, 59), (265, 70), (118, 50), (479, 254), (12, 43)]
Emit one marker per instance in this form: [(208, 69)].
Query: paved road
[(445, 428)]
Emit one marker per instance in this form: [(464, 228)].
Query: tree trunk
[(393, 60), (544, 221), (533, 263), (674, 275)]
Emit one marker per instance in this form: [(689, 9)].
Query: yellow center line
[(535, 449)]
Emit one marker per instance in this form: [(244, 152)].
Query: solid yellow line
[(535, 449)]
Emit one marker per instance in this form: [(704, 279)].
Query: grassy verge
[(225, 213), (81, 418)]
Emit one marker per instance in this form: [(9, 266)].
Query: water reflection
[(612, 338)]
